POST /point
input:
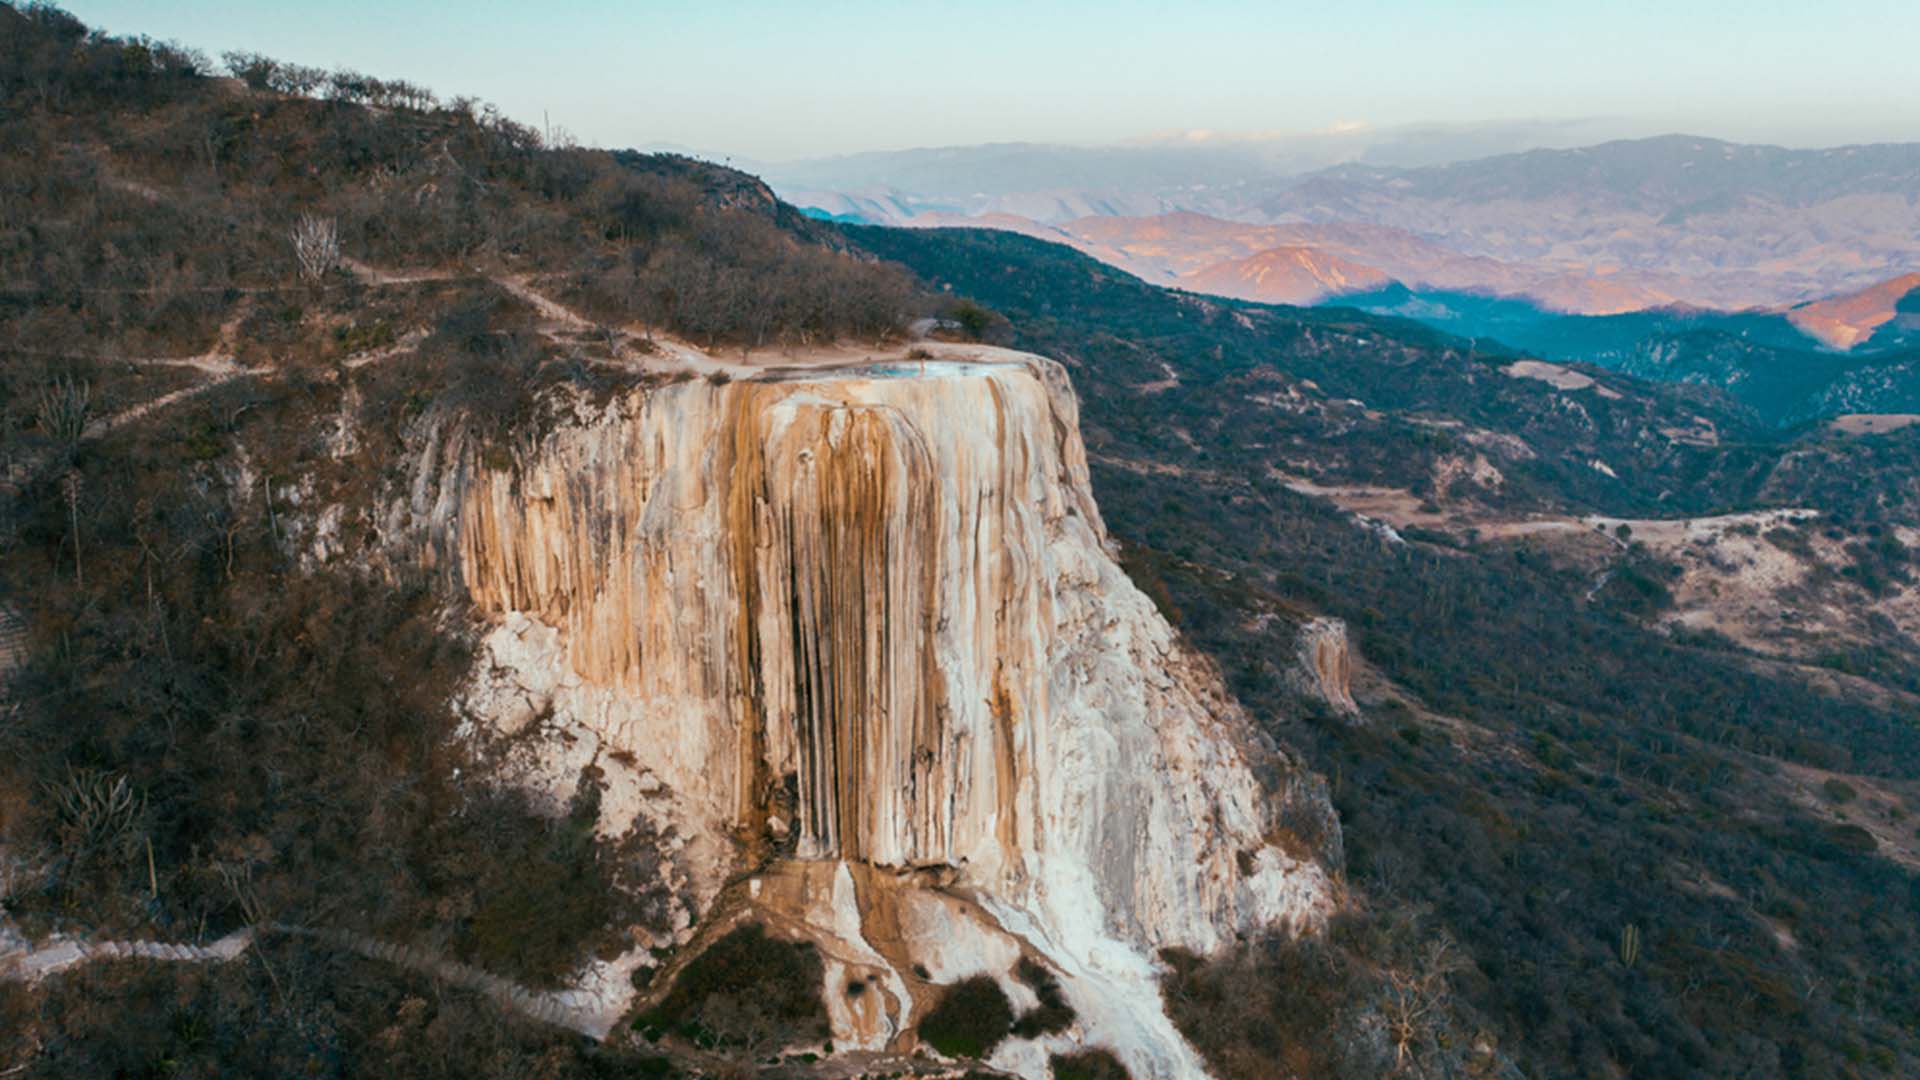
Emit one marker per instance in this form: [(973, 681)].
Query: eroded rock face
[(868, 615), (1324, 664)]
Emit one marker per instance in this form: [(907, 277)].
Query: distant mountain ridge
[(1196, 252), (1600, 229), (1858, 352), (1156, 174), (1668, 173), (1708, 223), (1789, 277)]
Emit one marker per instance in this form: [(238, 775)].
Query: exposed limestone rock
[(1323, 664), (867, 617)]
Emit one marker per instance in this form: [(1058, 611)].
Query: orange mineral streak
[(817, 567), (851, 541)]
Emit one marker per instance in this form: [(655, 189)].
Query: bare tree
[(316, 246), (744, 1027), (252, 68), (1415, 998)]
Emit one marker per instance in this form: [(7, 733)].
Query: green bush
[(1852, 838), (1095, 1064), (970, 1020), (746, 990), (1053, 1013)]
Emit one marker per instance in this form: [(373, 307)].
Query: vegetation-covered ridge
[(1578, 835), (226, 303), (1584, 840), (152, 202)]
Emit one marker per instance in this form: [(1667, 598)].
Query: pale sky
[(773, 81)]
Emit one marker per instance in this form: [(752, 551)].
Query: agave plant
[(100, 810), (63, 410)]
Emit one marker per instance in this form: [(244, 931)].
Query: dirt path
[(103, 426), (217, 363), (34, 964), (376, 277), (407, 343), (631, 350), (548, 307), (654, 353), (591, 1011), (1402, 508)]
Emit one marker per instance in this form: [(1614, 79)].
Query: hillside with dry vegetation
[(1628, 770)]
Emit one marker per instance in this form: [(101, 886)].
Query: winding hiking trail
[(656, 353), (591, 1011), (631, 349), (220, 366)]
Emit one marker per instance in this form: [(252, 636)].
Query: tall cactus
[(1629, 945), (62, 413)]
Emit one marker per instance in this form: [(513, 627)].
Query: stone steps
[(13, 641)]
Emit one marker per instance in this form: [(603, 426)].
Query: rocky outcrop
[(1323, 664), (867, 616)]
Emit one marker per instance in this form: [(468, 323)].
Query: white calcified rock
[(878, 603)]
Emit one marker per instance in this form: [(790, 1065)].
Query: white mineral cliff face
[(867, 616)]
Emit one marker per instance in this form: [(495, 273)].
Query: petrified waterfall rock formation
[(868, 614)]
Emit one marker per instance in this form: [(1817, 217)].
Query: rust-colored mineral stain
[(1005, 776), (863, 657), (825, 510), (744, 468)]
